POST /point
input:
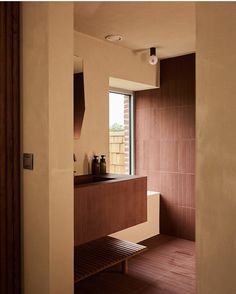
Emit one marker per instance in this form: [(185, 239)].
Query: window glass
[(119, 133)]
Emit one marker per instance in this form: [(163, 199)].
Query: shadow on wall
[(86, 165)]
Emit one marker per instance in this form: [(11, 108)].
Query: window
[(120, 133)]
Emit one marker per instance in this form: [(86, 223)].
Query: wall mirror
[(79, 97)]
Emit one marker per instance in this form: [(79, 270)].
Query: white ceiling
[(117, 84), (169, 26)]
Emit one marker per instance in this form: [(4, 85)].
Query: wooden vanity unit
[(106, 204)]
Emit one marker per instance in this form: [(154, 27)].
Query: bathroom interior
[(149, 88), (146, 130)]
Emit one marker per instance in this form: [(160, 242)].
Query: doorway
[(10, 150)]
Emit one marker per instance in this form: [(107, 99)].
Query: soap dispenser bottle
[(103, 164), (95, 165)]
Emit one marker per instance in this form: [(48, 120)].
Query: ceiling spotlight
[(114, 38), (153, 57)]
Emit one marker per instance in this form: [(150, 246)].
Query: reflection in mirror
[(79, 99)]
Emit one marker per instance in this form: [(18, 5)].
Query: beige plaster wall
[(47, 131), (102, 60), (216, 147), (148, 229)]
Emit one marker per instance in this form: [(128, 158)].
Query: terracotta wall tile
[(177, 221), (178, 81), (142, 123), (155, 122), (153, 99), (170, 187), (169, 123), (186, 156), (153, 154), (154, 181), (165, 143), (169, 81), (141, 172), (168, 216), (139, 102), (169, 155), (186, 186), (186, 122), (138, 147)]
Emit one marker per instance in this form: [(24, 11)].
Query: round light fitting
[(153, 56), (113, 38)]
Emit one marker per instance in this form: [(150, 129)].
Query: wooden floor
[(167, 267)]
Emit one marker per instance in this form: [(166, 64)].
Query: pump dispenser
[(103, 164), (95, 165)]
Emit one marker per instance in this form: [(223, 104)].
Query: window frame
[(131, 124)]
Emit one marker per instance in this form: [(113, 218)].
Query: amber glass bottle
[(95, 166), (102, 165)]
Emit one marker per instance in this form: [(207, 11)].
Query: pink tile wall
[(165, 143)]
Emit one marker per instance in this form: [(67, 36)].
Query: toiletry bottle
[(95, 166), (103, 164)]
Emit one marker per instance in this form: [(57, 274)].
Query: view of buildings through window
[(119, 133)]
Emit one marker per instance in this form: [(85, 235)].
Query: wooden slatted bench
[(98, 255)]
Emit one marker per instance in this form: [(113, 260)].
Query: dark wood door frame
[(9, 149)]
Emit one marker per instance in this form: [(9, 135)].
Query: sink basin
[(89, 179)]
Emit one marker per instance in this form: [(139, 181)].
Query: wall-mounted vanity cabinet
[(106, 206)]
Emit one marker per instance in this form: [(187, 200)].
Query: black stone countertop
[(85, 180)]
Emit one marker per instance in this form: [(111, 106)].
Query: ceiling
[(169, 26)]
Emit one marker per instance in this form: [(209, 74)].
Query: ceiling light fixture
[(153, 57), (114, 38)]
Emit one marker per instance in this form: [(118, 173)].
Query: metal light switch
[(28, 161)]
